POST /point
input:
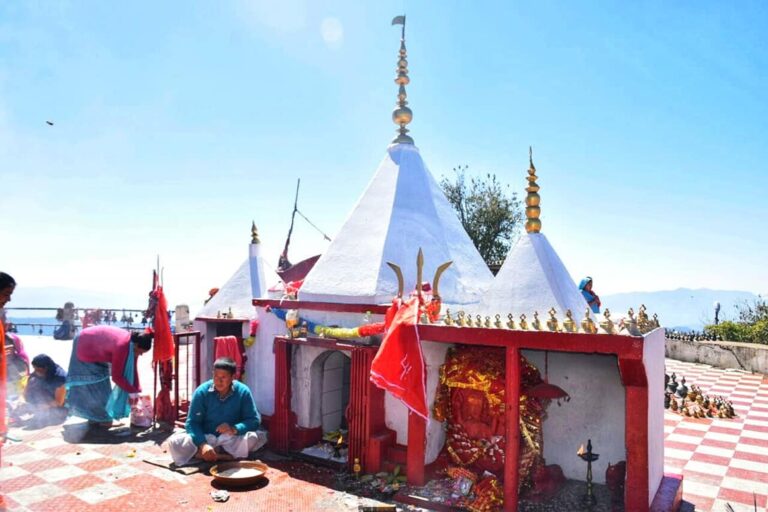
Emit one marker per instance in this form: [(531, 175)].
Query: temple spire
[(532, 200), (402, 115), (254, 233)]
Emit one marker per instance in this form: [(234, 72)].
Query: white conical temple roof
[(239, 291), (403, 209), (533, 278)]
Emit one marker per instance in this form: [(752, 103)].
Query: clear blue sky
[(177, 123)]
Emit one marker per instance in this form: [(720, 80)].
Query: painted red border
[(337, 307)]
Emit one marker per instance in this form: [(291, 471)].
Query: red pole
[(417, 436), (512, 403), (175, 366)]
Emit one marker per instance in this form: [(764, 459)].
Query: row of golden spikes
[(634, 326)]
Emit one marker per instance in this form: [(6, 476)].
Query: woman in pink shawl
[(99, 353)]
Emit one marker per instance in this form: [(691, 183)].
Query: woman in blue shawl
[(46, 391), (591, 297)]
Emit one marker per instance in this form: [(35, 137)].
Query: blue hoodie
[(589, 296)]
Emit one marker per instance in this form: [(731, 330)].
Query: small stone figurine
[(672, 386), (510, 321), (682, 389), (497, 323), (523, 323), (448, 320)]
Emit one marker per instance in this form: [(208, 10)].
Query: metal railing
[(128, 319)]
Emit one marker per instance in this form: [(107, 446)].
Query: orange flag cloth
[(399, 364), (163, 337)]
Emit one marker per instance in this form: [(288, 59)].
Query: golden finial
[(607, 323), (497, 323), (478, 321), (448, 320), (462, 319), (523, 323), (631, 324), (510, 321), (568, 324), (655, 322), (532, 200), (588, 325), (552, 323), (254, 233), (402, 115), (487, 322), (536, 324)]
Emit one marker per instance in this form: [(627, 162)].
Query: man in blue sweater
[(222, 421)]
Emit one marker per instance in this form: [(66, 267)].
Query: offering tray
[(239, 473)]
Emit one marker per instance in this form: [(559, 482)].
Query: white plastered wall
[(396, 414), (653, 360), (595, 411), (307, 384), (260, 367)]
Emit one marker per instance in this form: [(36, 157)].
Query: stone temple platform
[(59, 468)]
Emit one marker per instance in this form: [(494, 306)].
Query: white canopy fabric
[(533, 278), (403, 209)]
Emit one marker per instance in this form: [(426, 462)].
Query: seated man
[(222, 418)]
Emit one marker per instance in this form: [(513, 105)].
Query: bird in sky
[(49, 123)]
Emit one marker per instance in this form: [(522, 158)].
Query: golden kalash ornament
[(568, 324), (588, 325), (552, 324), (607, 323), (536, 324)]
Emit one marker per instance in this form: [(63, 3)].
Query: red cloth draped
[(163, 353), (228, 346), (163, 337), (399, 364)]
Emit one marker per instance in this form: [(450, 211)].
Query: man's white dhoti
[(183, 449)]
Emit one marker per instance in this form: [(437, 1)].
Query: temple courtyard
[(67, 467)]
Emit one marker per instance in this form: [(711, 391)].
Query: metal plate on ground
[(239, 473)]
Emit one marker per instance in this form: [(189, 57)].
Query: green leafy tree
[(750, 327), (489, 211)]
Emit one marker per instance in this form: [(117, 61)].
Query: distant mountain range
[(682, 309)]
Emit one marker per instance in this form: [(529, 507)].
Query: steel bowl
[(239, 473)]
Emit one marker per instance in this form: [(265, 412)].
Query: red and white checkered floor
[(722, 460)]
